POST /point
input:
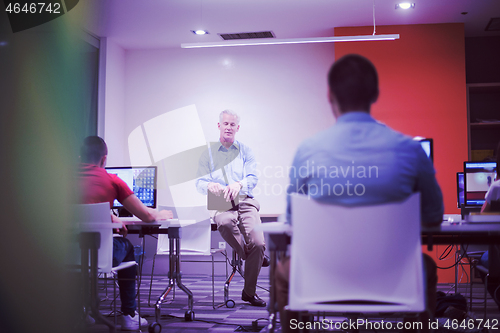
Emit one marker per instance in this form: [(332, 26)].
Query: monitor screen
[(460, 189), (478, 176), (141, 180)]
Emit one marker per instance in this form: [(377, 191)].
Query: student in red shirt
[(96, 186)]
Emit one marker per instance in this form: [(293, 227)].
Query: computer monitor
[(460, 189), (141, 180), (478, 176)]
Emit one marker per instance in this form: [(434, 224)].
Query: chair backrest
[(196, 238), (495, 206), (476, 250), (92, 215), (356, 259)]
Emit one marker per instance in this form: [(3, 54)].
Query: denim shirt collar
[(355, 116), (235, 145)]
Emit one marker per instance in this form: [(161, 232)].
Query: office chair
[(485, 272), (96, 218), (236, 264), (472, 254), (236, 267), (379, 266), (495, 206), (475, 262)]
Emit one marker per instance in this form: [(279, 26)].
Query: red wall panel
[(422, 92)]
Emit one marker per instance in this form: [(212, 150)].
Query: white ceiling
[(167, 23)]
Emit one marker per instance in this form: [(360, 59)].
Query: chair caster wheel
[(230, 303), (154, 328), (189, 315)]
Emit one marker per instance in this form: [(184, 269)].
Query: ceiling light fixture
[(272, 41), (200, 32), (405, 5)]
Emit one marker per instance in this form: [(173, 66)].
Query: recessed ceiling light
[(405, 5), (200, 32)]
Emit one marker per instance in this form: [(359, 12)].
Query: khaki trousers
[(237, 227)]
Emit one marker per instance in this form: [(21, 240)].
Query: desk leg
[(277, 249), (171, 273), (189, 315), (174, 275), (272, 293)]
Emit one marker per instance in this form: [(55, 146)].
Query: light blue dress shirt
[(238, 162), (359, 161), (493, 192)]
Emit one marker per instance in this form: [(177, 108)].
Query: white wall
[(280, 92), (114, 103)]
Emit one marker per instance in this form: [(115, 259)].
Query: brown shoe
[(254, 300)]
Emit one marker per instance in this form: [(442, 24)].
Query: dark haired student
[(399, 166), (96, 186)]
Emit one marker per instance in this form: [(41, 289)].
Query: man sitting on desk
[(358, 141), (228, 168), (97, 186)]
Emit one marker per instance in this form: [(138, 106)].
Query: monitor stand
[(466, 210)]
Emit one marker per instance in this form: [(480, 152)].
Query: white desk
[(446, 233), (278, 236), (174, 223)]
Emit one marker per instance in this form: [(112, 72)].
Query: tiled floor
[(242, 316), (173, 309)]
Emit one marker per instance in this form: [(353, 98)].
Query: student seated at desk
[(358, 140), (492, 197), (492, 204), (97, 185)]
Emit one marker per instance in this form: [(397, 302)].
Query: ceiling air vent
[(248, 35), (493, 25)]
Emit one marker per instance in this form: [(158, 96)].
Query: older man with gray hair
[(228, 168)]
